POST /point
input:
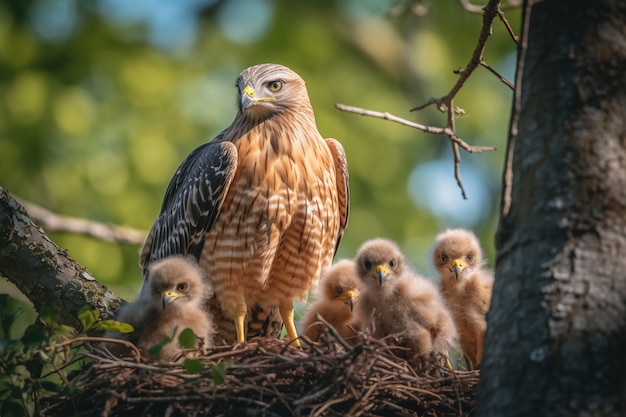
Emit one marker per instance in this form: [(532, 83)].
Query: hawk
[(171, 300), (262, 206), (466, 286), (339, 290), (396, 300)]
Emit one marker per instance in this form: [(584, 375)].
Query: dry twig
[(273, 378), (446, 103)]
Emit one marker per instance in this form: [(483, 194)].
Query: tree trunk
[(556, 339), (43, 271)]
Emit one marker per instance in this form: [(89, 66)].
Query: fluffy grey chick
[(466, 286), (396, 300), (172, 299), (338, 292)]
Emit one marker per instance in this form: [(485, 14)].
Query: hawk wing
[(192, 202), (343, 187)]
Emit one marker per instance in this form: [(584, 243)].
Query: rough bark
[(43, 271), (556, 341)]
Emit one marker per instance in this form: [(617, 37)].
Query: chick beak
[(169, 296), (381, 272), (457, 268), (350, 299)]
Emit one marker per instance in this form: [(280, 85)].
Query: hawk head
[(269, 89)]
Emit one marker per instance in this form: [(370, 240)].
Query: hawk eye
[(275, 86), (393, 263), (182, 286), (469, 257), (444, 257), (367, 265)]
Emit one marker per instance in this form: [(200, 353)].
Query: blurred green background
[(102, 99)]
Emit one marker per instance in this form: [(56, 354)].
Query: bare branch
[(507, 25), (448, 131), (473, 8), (427, 129), (497, 74), (108, 232)]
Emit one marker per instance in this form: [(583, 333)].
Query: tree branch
[(473, 8), (103, 231), (43, 271), (448, 131), (446, 103)]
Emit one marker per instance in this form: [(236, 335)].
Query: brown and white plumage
[(338, 291), (466, 286), (171, 300), (396, 300), (262, 206)]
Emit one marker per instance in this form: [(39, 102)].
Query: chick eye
[(393, 263), (275, 86), (444, 258), (182, 286), (367, 265), (469, 257), (338, 290)]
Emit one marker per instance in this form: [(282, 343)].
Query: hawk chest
[(281, 210)]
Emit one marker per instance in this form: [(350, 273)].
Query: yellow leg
[(286, 313), (447, 358), (240, 323)]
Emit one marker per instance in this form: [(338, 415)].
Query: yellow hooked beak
[(456, 267), (351, 299), (169, 296), (248, 99), (381, 272)]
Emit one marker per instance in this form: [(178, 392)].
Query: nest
[(271, 377)]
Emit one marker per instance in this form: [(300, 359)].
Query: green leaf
[(34, 335), (218, 373), (12, 408), (155, 351), (51, 386), (113, 326), (192, 366), (187, 338), (51, 315), (88, 317)]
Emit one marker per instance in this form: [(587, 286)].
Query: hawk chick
[(171, 300), (396, 300), (466, 286), (262, 206), (337, 295)]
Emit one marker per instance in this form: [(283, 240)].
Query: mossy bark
[(43, 271)]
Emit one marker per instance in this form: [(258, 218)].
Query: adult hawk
[(262, 206)]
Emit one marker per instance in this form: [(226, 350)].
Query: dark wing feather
[(343, 186), (192, 202)]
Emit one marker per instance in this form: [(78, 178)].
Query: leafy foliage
[(40, 362)]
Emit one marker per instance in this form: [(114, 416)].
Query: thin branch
[(427, 129), (473, 8), (448, 131), (108, 232), (501, 77), (446, 103), (507, 25)]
